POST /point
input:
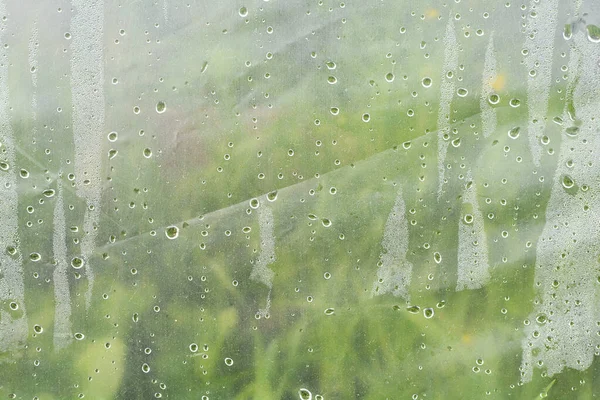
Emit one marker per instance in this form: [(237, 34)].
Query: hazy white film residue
[(540, 31), (62, 297), (489, 119), (13, 323), (473, 266), (395, 271), (447, 88), (260, 270), (87, 91), (563, 329)]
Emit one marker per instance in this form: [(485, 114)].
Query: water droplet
[(462, 92), (428, 312), (593, 33), (305, 394), (329, 311), (330, 65), (326, 222), (112, 153), (494, 99), (334, 110), (468, 218), (228, 362), (161, 107), (172, 232), (243, 12), (77, 262), (35, 257), (514, 132), (112, 136), (366, 117), (38, 329), (254, 203), (79, 336), (24, 173), (437, 257), (514, 103), (272, 196), (426, 82), (413, 309), (541, 319), (49, 192), (389, 77), (567, 182), (332, 79), (145, 368), (193, 347), (572, 130), (568, 31)]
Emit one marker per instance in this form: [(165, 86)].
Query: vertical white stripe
[(395, 271), (447, 89), (62, 295), (87, 91), (13, 324)]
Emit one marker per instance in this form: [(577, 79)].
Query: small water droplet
[(172, 232), (494, 99), (568, 31), (161, 107), (112, 136), (593, 33), (413, 309), (513, 133), (305, 394), (77, 262), (428, 312), (272, 196), (567, 182)]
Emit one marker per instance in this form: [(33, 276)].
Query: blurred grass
[(183, 292)]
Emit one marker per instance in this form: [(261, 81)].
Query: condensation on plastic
[(299, 199)]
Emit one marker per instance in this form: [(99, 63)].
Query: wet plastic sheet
[(327, 200)]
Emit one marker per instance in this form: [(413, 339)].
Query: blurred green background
[(305, 199)]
